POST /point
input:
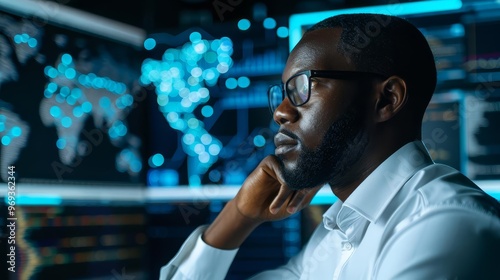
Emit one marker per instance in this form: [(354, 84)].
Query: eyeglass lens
[(297, 89)]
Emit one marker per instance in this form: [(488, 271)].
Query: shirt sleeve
[(444, 244), (197, 260)]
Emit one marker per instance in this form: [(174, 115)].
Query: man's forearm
[(230, 229)]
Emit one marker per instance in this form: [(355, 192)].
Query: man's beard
[(341, 147)]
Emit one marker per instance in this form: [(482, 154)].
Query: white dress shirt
[(409, 219)]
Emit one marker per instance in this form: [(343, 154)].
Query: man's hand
[(263, 197)]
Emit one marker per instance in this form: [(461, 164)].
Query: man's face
[(319, 141)]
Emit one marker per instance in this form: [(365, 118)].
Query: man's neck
[(373, 156)]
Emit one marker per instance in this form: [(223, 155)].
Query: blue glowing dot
[(61, 68), (52, 72), (149, 44), (195, 37), (66, 122), (55, 111), (169, 177), (243, 82), (120, 88), (172, 117), (104, 102), (269, 23), (87, 107), (224, 58), (47, 93), (18, 39), (52, 87), (83, 79), (135, 166), (259, 141), (65, 91), (214, 149), (70, 73), (207, 111), (226, 45), (222, 68), (144, 80), (193, 123), (457, 29), (231, 83), (97, 83), (179, 125), (157, 160), (16, 131), (210, 57), (204, 157), (6, 140), (113, 133), (188, 139), (78, 112), (244, 24), (215, 45), (46, 70), (119, 104), (127, 100), (76, 93), (32, 42), (206, 139), (25, 37), (61, 143), (210, 75), (66, 59), (71, 100), (121, 130), (112, 85), (186, 103), (153, 177), (282, 32)]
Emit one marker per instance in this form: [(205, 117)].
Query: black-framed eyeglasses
[(298, 87)]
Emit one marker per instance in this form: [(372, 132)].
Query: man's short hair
[(387, 45)]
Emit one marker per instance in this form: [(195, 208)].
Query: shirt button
[(347, 246)]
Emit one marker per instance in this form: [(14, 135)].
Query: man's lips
[(284, 141)]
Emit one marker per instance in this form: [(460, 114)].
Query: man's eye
[(313, 82)]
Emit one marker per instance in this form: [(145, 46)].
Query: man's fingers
[(296, 201), (301, 199), (280, 199)]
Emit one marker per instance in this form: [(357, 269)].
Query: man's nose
[(285, 112)]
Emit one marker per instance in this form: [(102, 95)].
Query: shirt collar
[(373, 195)]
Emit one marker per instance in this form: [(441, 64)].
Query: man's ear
[(392, 97)]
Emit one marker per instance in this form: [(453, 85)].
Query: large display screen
[(69, 105)]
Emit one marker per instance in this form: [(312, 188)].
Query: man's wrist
[(230, 229)]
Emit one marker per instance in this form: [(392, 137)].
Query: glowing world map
[(181, 79)]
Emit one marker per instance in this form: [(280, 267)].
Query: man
[(350, 113)]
